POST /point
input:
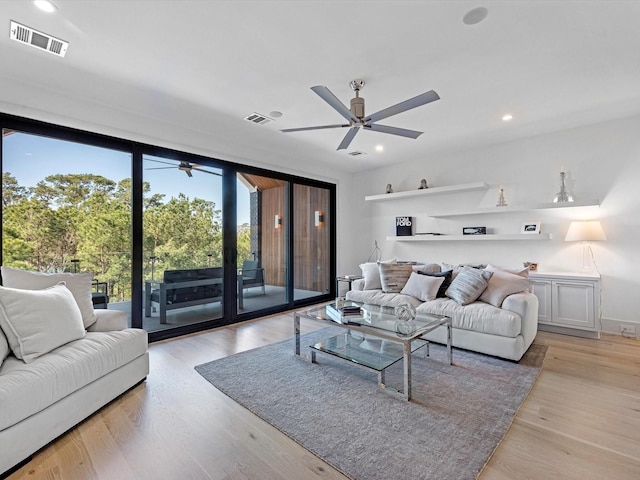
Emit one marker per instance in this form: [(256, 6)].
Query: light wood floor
[(581, 420)]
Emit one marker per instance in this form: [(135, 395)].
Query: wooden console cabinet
[(569, 303)]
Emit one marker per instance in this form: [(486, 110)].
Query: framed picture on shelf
[(530, 228)]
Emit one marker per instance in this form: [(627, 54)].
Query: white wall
[(602, 161)]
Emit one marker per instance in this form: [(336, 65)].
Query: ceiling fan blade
[(160, 168), (159, 161), (414, 102), (347, 138), (188, 172), (325, 94), (403, 132), (313, 128), (206, 171)]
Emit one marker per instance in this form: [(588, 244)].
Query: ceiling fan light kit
[(356, 114)]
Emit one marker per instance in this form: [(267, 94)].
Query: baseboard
[(614, 327), (574, 332)]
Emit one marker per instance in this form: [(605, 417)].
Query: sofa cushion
[(445, 284), (371, 274), (422, 287), (467, 286), (26, 389), (394, 276), (501, 285), (378, 297), (37, 321), (477, 316), (78, 283)]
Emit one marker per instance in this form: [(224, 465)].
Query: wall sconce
[(319, 218), (278, 221), (585, 232)]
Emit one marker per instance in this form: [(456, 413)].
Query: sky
[(31, 158)]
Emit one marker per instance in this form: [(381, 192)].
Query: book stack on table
[(345, 314)]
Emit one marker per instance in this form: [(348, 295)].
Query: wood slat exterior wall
[(274, 240), (311, 243)]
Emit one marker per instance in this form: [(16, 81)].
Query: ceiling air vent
[(258, 118), (40, 40), (355, 153)]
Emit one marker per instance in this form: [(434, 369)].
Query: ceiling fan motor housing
[(357, 107)]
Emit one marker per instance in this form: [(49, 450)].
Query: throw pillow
[(501, 285), (394, 276), (78, 283), (522, 272), (371, 274), (427, 268), (4, 347), (458, 268), (468, 285), (422, 287), (447, 276), (37, 321), (455, 269)]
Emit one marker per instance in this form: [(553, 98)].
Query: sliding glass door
[(66, 207), (177, 241), (182, 246), (311, 241), (262, 241)]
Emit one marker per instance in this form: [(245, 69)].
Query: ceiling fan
[(186, 167), (356, 116)]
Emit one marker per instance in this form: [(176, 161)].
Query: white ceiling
[(202, 66)]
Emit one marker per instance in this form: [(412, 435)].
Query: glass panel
[(311, 241), (262, 242), (182, 224), (372, 352), (67, 208)]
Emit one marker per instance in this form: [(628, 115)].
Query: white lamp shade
[(586, 231)]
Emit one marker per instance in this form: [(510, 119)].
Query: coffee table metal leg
[(381, 379), (296, 328), (406, 346), (449, 353)]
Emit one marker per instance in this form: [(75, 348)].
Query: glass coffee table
[(372, 339)]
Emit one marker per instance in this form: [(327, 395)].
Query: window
[(177, 241)]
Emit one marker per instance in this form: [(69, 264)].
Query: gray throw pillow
[(394, 276), (468, 285), (501, 285)]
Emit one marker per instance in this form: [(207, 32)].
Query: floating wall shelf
[(472, 238), (466, 187), (521, 208)]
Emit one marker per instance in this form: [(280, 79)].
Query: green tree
[(12, 193)]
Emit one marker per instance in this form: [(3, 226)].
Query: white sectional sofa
[(506, 331), (45, 393)]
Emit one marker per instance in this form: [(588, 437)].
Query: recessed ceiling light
[(45, 6), (475, 16), (379, 148), (275, 114), (507, 118)]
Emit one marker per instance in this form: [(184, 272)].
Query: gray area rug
[(458, 415)]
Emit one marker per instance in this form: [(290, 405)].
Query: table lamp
[(585, 232)]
